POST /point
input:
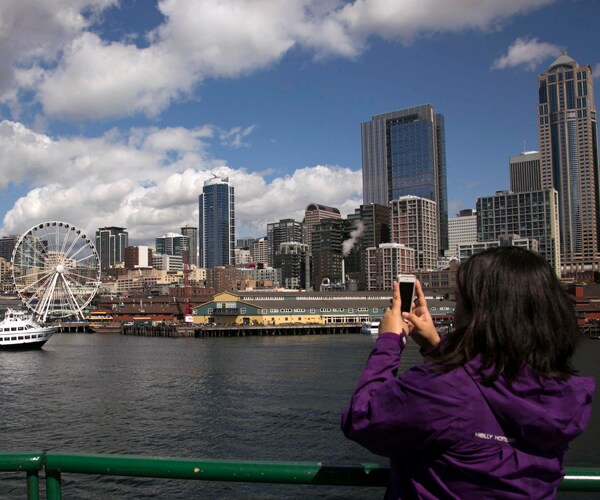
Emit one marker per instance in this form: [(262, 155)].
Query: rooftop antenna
[(524, 145), (215, 176)]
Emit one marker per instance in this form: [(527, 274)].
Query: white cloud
[(235, 137), (49, 50), (34, 32), (148, 180), (410, 19), (596, 71), (99, 79), (526, 52)]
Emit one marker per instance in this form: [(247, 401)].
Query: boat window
[(27, 337), (20, 337), (13, 338), (20, 328)]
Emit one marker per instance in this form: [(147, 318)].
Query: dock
[(203, 331)]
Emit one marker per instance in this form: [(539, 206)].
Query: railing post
[(53, 485), (33, 485)]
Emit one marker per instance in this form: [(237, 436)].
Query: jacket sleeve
[(397, 416)]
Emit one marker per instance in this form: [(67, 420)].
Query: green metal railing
[(54, 464)]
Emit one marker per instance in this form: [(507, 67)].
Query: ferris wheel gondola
[(56, 270)]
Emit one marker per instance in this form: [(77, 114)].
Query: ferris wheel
[(56, 270)]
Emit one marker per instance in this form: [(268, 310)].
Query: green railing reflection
[(54, 464)]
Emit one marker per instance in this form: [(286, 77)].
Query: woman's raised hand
[(420, 324), (392, 320)]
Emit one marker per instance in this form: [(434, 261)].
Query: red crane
[(187, 309)]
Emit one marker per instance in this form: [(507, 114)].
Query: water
[(254, 398)]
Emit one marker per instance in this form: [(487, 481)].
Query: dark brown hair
[(515, 312)]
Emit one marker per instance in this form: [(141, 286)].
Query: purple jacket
[(449, 436)]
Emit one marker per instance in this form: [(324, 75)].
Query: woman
[(491, 411)]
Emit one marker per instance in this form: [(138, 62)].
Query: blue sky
[(115, 113)]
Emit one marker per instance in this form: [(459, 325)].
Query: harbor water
[(252, 398)]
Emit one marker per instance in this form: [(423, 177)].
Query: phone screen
[(407, 290)]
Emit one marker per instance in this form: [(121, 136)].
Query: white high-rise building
[(385, 262), (462, 229), (532, 215), (259, 250), (414, 224)]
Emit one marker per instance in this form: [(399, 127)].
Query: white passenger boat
[(18, 330), (370, 328)]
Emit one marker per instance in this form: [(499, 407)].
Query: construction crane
[(187, 305)]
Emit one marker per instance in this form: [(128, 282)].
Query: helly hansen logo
[(494, 437)]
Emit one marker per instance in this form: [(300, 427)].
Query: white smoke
[(356, 233)]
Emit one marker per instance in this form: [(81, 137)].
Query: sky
[(115, 113)]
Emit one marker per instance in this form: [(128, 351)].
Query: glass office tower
[(404, 153), (216, 224), (110, 245), (569, 159)]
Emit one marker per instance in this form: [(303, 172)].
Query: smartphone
[(407, 290)]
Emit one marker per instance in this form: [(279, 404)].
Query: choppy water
[(255, 398)]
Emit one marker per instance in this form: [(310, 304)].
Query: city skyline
[(277, 112)]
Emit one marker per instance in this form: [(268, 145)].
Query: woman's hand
[(421, 326), (392, 320)]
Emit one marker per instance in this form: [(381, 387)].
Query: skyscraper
[(569, 158), (368, 226), (192, 233), (284, 231), (315, 213), (461, 229), (404, 153), (327, 256), (173, 244), (110, 245), (385, 262), (287, 251), (216, 224), (525, 173), (413, 222), (533, 215), (259, 251), (7, 245)]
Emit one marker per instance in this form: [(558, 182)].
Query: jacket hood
[(539, 410)]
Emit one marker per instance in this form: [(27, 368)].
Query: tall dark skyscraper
[(368, 226), (327, 255), (7, 244), (110, 245), (216, 224), (525, 172), (192, 233), (284, 231), (404, 153), (569, 159)]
